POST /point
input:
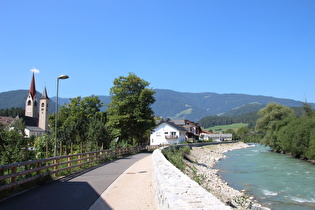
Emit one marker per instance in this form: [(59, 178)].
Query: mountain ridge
[(177, 105)]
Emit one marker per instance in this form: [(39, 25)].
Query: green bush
[(175, 155)]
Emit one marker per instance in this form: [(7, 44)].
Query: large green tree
[(287, 133), (130, 115), (271, 121), (297, 137), (243, 133), (81, 123)]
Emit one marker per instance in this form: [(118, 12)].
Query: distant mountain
[(244, 109), (194, 106), (17, 98), (177, 105)]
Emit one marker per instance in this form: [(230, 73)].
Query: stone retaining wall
[(175, 190)]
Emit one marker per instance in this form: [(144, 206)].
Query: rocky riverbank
[(200, 167)]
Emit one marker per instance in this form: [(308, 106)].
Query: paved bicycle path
[(75, 192)]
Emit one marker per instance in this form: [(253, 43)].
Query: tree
[(268, 123), (97, 133), (296, 137), (130, 115), (232, 132), (12, 112), (13, 146), (307, 109), (43, 146), (81, 122), (310, 154), (243, 133)]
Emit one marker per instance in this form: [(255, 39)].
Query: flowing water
[(275, 180)]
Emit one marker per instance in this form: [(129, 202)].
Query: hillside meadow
[(222, 128)]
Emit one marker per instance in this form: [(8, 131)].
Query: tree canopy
[(12, 143), (130, 115), (81, 122), (287, 133), (269, 123)]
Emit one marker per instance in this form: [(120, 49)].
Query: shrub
[(175, 155)]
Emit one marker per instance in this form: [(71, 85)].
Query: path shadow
[(56, 195)]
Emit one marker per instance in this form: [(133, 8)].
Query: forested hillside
[(15, 98), (12, 112), (176, 105), (212, 121)]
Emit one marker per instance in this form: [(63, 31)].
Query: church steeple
[(44, 95), (43, 112), (32, 87), (31, 108)]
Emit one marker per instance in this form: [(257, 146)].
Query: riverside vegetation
[(198, 163), (285, 132)]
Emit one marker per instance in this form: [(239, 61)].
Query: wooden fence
[(16, 174)]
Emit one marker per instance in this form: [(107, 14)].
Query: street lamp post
[(56, 111)]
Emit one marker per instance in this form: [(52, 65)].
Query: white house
[(167, 133)]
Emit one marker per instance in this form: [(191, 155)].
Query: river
[(275, 180)]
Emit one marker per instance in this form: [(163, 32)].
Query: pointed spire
[(44, 95), (32, 88)]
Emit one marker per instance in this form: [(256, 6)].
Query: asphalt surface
[(75, 192)]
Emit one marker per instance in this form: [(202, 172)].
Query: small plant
[(243, 201)]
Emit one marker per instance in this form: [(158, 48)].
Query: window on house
[(29, 102), (165, 132), (173, 133), (43, 104)]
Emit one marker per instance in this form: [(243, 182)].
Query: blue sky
[(257, 47)]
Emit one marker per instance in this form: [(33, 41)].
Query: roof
[(203, 131), (173, 125), (179, 122), (32, 87), (30, 121), (44, 95), (6, 120), (34, 129)]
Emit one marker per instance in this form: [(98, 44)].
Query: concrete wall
[(175, 190)]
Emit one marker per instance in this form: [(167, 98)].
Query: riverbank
[(200, 167)]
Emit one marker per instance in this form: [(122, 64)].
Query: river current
[(275, 180)]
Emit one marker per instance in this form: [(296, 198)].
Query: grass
[(234, 126)]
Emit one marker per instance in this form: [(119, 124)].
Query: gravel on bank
[(200, 167)]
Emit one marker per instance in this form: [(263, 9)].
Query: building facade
[(167, 133), (36, 114)]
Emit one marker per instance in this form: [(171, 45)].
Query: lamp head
[(63, 76)]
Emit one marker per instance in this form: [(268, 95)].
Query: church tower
[(43, 111), (31, 107)]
